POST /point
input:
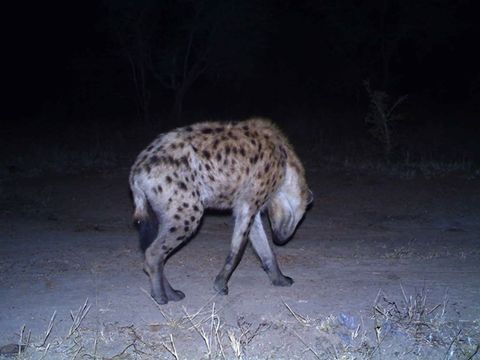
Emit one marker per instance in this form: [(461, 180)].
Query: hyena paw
[(220, 286), (176, 295), (283, 281), (161, 300)]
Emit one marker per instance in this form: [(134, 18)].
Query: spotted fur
[(246, 166)]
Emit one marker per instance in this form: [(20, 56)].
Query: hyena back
[(246, 166)]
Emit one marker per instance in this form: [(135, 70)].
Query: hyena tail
[(144, 218)]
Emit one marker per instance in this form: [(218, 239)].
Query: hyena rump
[(246, 166)]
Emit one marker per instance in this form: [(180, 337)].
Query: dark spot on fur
[(173, 146), (195, 208), (267, 168), (219, 157), (184, 160), (231, 135), (180, 238), (150, 147), (234, 150), (186, 228), (206, 153), (182, 185), (218, 129), (172, 229), (207, 131), (168, 178), (179, 209), (188, 129), (181, 145), (159, 187), (211, 178), (215, 144), (147, 169), (227, 150), (176, 217), (185, 205), (154, 159), (186, 222), (194, 148), (192, 218), (207, 166)]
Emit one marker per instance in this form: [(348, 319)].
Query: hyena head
[(288, 205)]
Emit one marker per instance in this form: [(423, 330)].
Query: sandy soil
[(383, 269)]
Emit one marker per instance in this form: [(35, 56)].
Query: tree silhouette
[(177, 42)]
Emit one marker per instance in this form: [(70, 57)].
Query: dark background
[(89, 83)]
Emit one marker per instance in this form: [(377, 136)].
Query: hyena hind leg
[(172, 233), (260, 244), (155, 257)]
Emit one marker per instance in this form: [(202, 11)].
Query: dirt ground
[(383, 268)]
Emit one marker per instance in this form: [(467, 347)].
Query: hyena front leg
[(244, 216), (260, 244), (175, 229)]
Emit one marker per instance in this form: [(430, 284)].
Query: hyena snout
[(283, 221), (285, 211)]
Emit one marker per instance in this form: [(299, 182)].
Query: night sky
[(114, 65)]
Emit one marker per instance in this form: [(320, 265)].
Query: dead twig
[(301, 319), (45, 352), (49, 329), (474, 353), (308, 346), (78, 317), (172, 350), (448, 355)]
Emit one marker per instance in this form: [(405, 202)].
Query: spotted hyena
[(245, 166)]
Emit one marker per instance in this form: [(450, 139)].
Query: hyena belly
[(242, 166)]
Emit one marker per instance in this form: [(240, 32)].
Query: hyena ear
[(310, 197)]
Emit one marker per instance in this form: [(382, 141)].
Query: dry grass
[(411, 328), (408, 328)]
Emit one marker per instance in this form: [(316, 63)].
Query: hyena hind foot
[(283, 281), (169, 295), (220, 285)]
